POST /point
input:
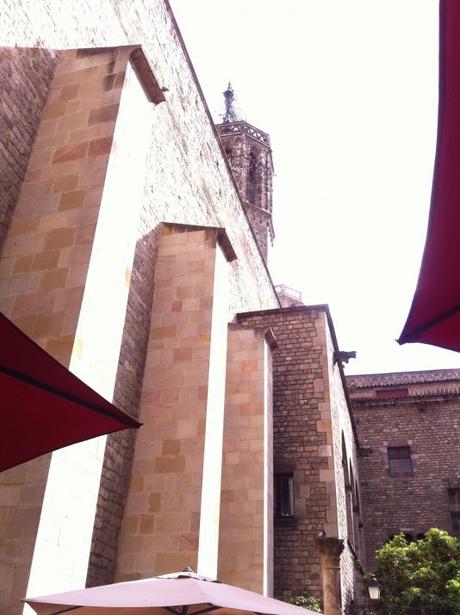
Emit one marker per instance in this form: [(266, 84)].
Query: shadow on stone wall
[(25, 75), (119, 451)]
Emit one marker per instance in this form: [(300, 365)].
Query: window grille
[(399, 461)]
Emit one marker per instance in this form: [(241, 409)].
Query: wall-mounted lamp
[(373, 589)]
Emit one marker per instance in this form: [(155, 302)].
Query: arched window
[(347, 469), (252, 165), (356, 517), (350, 508), (229, 154), (345, 460)]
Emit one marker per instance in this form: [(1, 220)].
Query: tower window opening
[(252, 179), (252, 165)]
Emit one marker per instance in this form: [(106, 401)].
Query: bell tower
[(249, 154)]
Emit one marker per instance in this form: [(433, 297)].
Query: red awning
[(43, 406), (434, 317)]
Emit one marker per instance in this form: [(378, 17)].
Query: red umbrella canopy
[(182, 593), (434, 317), (44, 406)]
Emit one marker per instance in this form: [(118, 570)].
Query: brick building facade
[(134, 237), (409, 429)]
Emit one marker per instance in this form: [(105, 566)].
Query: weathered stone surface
[(419, 410), (248, 153), (25, 76), (186, 180), (172, 509), (246, 517), (310, 412)]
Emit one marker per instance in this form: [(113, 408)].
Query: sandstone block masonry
[(85, 270), (188, 178), (418, 412), (246, 519), (63, 265), (310, 412), (172, 511), (50, 240), (26, 76)]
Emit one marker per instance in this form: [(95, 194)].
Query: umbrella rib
[(66, 610), (73, 398)]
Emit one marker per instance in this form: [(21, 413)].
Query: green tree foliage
[(303, 599), (420, 577)]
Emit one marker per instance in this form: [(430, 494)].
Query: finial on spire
[(229, 96)]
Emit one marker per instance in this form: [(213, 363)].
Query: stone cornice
[(220, 233)]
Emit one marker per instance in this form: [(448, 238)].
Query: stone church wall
[(420, 410), (172, 512), (186, 180), (26, 77), (309, 413), (246, 518), (189, 180), (300, 441), (346, 477)]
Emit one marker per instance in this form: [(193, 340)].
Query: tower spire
[(229, 97), (249, 155)]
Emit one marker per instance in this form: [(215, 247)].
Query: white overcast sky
[(347, 90)]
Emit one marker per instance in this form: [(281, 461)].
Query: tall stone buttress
[(249, 153)]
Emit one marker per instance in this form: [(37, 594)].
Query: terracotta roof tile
[(397, 379)]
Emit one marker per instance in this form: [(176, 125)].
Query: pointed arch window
[(252, 178), (229, 155), (348, 484)]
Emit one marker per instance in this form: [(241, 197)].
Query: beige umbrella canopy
[(182, 593)]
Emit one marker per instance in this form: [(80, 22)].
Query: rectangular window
[(284, 496), (399, 461), (454, 509)]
